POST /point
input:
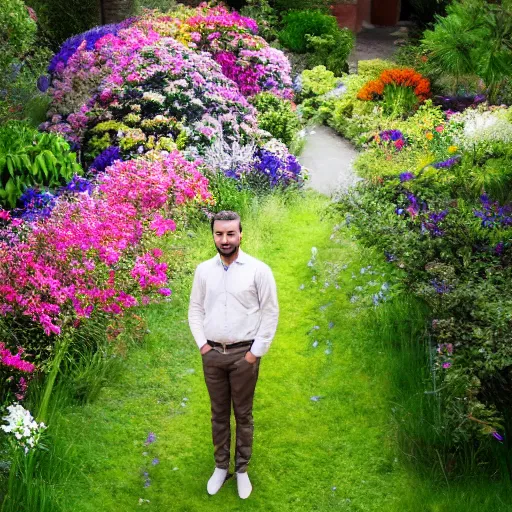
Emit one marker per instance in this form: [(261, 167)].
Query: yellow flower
[(452, 149), (429, 135)]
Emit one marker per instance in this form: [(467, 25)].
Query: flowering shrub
[(149, 87), (90, 253), (233, 42), (14, 372)]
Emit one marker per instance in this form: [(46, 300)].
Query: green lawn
[(336, 453)]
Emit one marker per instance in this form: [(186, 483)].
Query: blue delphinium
[(36, 204), (105, 158), (78, 184)]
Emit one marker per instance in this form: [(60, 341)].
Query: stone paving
[(328, 156)]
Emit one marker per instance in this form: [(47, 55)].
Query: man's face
[(227, 236)]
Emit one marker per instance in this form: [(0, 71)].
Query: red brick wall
[(352, 15)]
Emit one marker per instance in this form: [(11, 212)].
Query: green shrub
[(32, 159), (277, 117), (229, 194), (17, 32), (283, 6), (372, 68), (58, 19), (317, 81), (265, 15), (475, 38), (332, 50), (298, 24)]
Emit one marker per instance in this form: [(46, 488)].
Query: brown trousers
[(230, 378)]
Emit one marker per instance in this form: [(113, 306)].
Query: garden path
[(329, 159), (375, 43)]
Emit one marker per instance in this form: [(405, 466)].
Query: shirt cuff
[(260, 347)]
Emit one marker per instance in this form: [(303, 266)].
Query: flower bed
[(436, 202)]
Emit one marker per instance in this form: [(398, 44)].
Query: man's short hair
[(227, 215)]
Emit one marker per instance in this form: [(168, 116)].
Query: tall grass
[(426, 443)]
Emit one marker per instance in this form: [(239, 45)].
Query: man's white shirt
[(233, 305)]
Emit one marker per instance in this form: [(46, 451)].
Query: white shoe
[(244, 485), (216, 480)]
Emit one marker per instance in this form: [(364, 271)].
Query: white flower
[(23, 426)]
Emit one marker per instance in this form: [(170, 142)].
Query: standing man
[(233, 316)]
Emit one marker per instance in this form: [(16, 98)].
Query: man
[(233, 316)]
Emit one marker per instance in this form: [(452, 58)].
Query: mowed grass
[(336, 452)]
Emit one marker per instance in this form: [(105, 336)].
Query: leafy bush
[(277, 117), (265, 16), (22, 60), (18, 32), (32, 159), (475, 38), (371, 69), (58, 22), (332, 50), (298, 24), (284, 6)]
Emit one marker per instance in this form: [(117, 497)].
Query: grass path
[(330, 454)]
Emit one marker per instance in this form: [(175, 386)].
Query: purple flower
[(70, 46), (440, 286), (447, 163), (392, 135), (389, 257), (43, 82), (78, 184), (155, 461), (150, 439), (497, 436), (406, 176), (493, 214), (106, 158), (499, 248), (447, 365)]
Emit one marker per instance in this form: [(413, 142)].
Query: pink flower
[(161, 225)]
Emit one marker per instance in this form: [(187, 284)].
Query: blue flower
[(43, 82), (406, 176), (106, 158)]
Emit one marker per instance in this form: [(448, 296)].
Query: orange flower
[(371, 90), (402, 77), (429, 135)]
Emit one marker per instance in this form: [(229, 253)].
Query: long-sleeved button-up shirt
[(233, 305)]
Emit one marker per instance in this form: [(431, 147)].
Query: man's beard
[(230, 253)]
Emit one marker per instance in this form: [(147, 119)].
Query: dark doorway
[(406, 10)]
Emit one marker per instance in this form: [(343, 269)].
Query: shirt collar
[(241, 259)]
